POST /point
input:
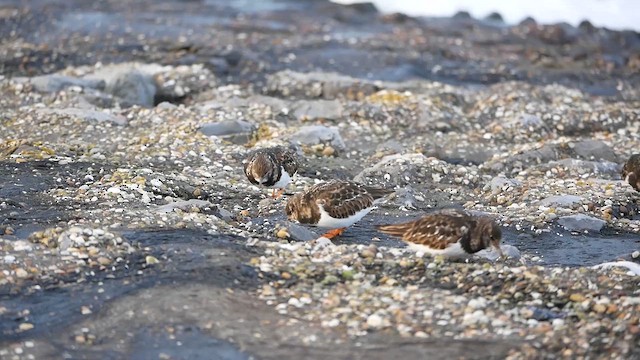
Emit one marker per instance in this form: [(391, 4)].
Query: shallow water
[(556, 248)]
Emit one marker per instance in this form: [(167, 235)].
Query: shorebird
[(271, 167), (631, 171), (450, 233), (335, 204)]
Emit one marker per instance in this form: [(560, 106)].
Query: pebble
[(374, 321)]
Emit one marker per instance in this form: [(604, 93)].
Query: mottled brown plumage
[(333, 204), (631, 171), (271, 167), (438, 232)]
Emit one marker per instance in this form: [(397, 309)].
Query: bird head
[(491, 234)]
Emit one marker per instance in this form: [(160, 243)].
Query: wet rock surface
[(128, 229)]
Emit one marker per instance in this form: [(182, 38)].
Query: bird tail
[(394, 229)]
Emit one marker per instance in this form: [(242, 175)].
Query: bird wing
[(341, 199), (437, 231)]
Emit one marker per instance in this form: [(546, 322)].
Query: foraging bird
[(335, 204), (631, 171), (271, 167), (450, 232)]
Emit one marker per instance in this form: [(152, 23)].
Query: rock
[(318, 134), (375, 321), (318, 109), (131, 82), (597, 167), (87, 114), (57, 82), (298, 232), (631, 266), (594, 150), (236, 131), (325, 85), (581, 222), (500, 183), (21, 273), (201, 205), (567, 201), (491, 254)]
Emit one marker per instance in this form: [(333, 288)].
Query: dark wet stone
[(543, 314), (298, 232)]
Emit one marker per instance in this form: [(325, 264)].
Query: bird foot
[(333, 233), (277, 194)]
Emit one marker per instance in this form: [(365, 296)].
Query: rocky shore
[(128, 229)]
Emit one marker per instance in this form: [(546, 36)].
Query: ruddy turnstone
[(335, 204), (271, 167), (631, 171), (450, 233)]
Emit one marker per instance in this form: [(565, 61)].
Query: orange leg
[(277, 194), (333, 233)]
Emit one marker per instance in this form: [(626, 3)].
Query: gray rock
[(298, 232), (235, 131), (561, 200), (132, 83), (87, 114), (491, 254), (594, 150), (318, 134), (57, 82), (318, 109), (581, 222), (531, 122), (187, 205), (316, 85), (500, 183), (584, 166)]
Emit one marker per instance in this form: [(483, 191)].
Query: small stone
[(80, 339), (282, 233), (374, 321), (104, 261), (328, 151), (576, 297), (150, 260), (25, 326), (599, 308), (21, 273), (285, 275), (635, 254), (329, 280), (85, 310)]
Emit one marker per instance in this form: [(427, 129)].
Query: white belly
[(285, 179), (326, 221), (453, 251)]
